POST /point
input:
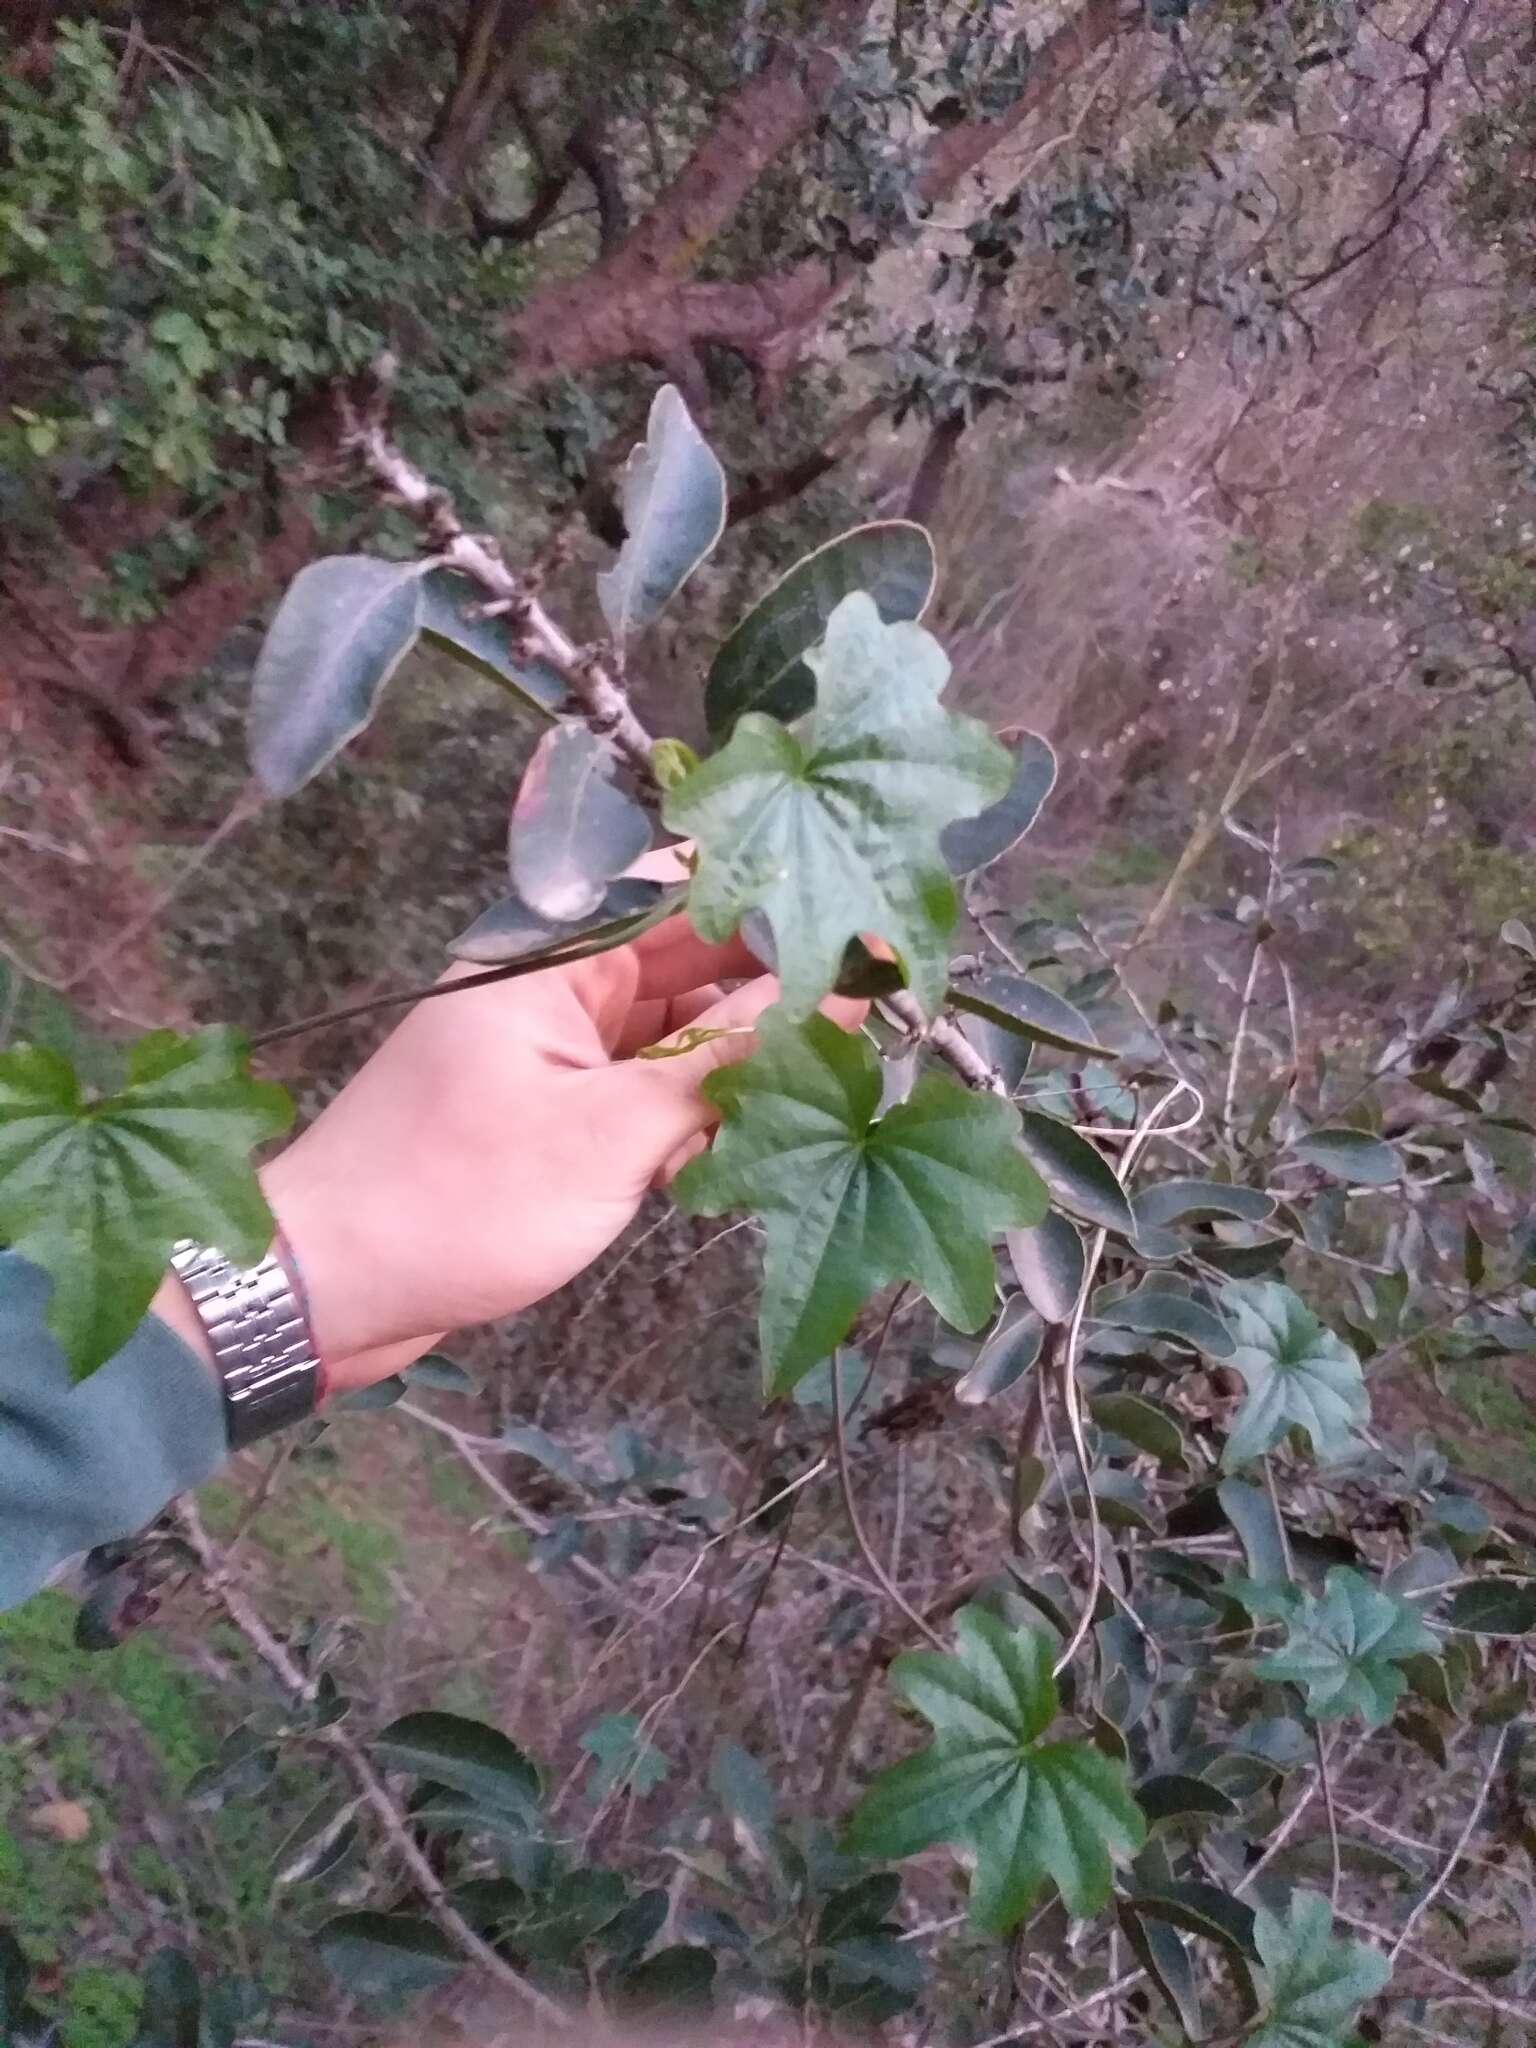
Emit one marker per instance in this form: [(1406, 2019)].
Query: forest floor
[(383, 1523)]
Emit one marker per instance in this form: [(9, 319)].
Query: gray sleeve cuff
[(87, 1464)]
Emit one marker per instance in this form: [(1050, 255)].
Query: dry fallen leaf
[(65, 1819)]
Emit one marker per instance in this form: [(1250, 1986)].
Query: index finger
[(673, 959)]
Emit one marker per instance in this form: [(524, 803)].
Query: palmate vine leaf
[(1299, 1375), (1028, 1810), (673, 496), (1343, 1646), (621, 1757), (96, 1191), (761, 665), (573, 830), (851, 1200), (344, 626), (1313, 1984), (832, 830)]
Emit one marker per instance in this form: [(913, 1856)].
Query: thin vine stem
[(1324, 1780), (427, 991), (1449, 1866), (866, 1549), (1071, 1392)]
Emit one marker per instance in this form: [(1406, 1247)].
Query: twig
[(946, 1038), (1068, 2012), (424, 992), (1261, 936), (866, 1549), (520, 1512), (1073, 1408), (1289, 1825), (613, 1272), (1478, 1993), (1325, 1786), (1462, 1840), (272, 1472), (370, 1786), (1362, 1817), (880, 1653), (244, 807), (764, 1583), (651, 1614), (599, 693), (1139, 1139)]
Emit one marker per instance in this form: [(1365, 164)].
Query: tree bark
[(933, 467), (637, 305), (625, 307), (491, 48)]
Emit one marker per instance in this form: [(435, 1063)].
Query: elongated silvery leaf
[(1015, 1003), (453, 621), (1011, 1348), (971, 843), (1049, 1263), (673, 494), (344, 626), (573, 831), (512, 930)]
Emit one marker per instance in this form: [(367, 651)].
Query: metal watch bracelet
[(260, 1338)]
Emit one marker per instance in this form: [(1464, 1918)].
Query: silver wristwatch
[(260, 1337)]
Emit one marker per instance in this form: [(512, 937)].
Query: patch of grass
[(100, 2009), (43, 1669), (1502, 1441), (1134, 865), (366, 1550), (221, 1505), (47, 1888), (454, 1489)]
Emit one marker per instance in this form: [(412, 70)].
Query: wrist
[(341, 1279)]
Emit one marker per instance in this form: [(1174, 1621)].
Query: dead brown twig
[(371, 1788)]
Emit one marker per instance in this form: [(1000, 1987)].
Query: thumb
[(648, 1109)]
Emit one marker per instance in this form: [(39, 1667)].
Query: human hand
[(499, 1140)]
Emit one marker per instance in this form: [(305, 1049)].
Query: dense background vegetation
[(1201, 336)]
